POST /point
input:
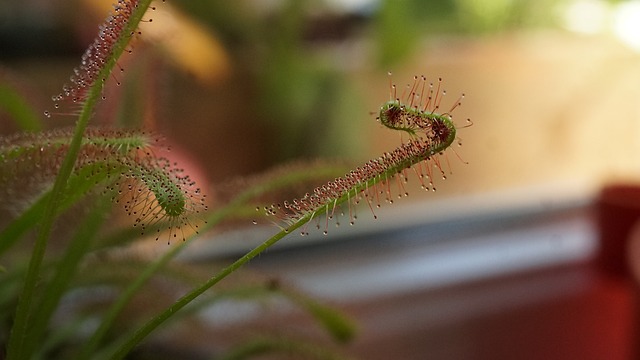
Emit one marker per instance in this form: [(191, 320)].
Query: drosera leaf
[(102, 55), (431, 133), (419, 108), (156, 192), (124, 161), (122, 27)]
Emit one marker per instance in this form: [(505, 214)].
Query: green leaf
[(21, 112), (266, 345)]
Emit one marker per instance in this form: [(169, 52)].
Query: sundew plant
[(86, 170)]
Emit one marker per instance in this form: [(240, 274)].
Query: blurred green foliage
[(302, 90)]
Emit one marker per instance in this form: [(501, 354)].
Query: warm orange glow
[(189, 45)]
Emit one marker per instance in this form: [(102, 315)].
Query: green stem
[(215, 218), (17, 338), (65, 269), (114, 310), (146, 329)]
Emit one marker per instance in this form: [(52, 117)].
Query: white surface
[(401, 215), (354, 276), (420, 245)]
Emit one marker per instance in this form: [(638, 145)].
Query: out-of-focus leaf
[(188, 44), (19, 109)]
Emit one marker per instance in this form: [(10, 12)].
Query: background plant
[(77, 174), (290, 87)]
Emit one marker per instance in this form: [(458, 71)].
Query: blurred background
[(504, 260), (550, 85)]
